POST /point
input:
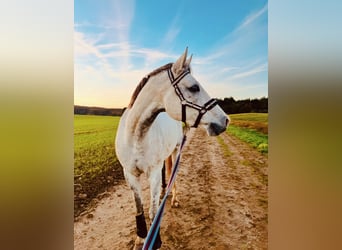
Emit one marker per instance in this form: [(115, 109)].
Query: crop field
[(256, 121), (95, 163), (251, 128)]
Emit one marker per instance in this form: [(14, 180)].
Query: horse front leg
[(155, 189), (141, 228)]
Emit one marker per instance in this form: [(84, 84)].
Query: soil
[(223, 202)]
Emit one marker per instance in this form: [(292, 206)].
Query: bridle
[(185, 103)]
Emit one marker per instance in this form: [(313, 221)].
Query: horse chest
[(138, 156)]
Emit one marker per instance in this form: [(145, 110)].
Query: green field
[(256, 117), (95, 164), (251, 128)]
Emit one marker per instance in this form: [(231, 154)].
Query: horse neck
[(147, 106)]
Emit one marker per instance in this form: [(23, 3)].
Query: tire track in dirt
[(223, 202)]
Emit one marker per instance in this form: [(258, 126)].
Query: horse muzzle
[(215, 129)]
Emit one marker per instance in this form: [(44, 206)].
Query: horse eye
[(194, 88)]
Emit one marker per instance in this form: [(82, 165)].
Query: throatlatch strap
[(141, 225), (207, 106)]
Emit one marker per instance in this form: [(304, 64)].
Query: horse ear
[(187, 63), (178, 66)]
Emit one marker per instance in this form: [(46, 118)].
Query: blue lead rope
[(152, 233)]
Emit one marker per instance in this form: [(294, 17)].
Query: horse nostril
[(227, 121), (216, 129)]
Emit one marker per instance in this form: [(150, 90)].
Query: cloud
[(98, 69), (110, 45), (172, 32), (120, 20), (122, 17), (108, 65), (252, 17), (85, 45), (250, 72), (238, 61), (229, 68)]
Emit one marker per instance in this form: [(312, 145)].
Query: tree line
[(229, 105), (84, 110)]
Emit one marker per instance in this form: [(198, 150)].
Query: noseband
[(185, 103)]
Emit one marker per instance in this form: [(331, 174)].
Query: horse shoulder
[(123, 147)]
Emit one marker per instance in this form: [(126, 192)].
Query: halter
[(185, 103)]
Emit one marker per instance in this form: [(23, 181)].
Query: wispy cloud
[(252, 17), (108, 64), (233, 66), (229, 68), (250, 72), (84, 45), (235, 58), (152, 54), (172, 32), (87, 24), (100, 62), (121, 22)]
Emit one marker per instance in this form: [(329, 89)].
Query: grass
[(95, 163), (251, 128), (256, 121), (256, 117)]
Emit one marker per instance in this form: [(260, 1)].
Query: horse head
[(187, 101)]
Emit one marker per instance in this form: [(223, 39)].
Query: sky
[(118, 42)]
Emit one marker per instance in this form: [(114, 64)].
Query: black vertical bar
[(163, 177)]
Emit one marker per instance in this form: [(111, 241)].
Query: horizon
[(90, 106), (117, 43)]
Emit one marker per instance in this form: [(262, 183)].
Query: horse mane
[(143, 82)]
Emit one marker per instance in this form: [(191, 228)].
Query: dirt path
[(222, 188)]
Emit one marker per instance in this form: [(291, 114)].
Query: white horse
[(150, 130)]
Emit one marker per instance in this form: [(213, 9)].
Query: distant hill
[(84, 110)]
